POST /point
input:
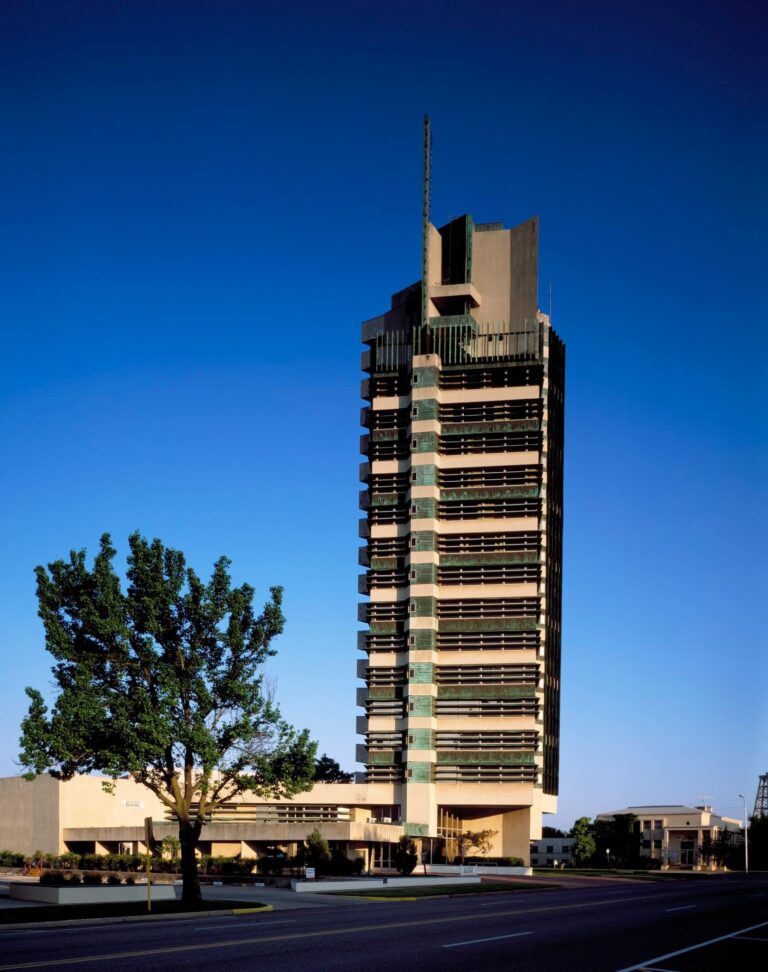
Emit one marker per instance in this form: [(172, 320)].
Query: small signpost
[(148, 839)]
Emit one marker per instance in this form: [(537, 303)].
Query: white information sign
[(309, 873)]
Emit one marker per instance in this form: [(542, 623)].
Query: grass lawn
[(14, 916), (439, 891)]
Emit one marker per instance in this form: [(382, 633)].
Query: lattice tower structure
[(761, 799)]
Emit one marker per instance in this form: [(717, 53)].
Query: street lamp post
[(746, 836)]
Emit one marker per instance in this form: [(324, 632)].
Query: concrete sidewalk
[(281, 899)]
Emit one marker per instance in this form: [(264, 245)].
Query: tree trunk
[(189, 834)]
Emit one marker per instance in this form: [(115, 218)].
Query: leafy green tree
[(552, 832), (171, 846), (327, 770), (406, 856), (619, 840), (729, 852), (317, 852), (758, 842), (481, 839), (707, 847), (583, 848), (161, 682)]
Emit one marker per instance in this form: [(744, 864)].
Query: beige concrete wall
[(520, 827), (29, 815), (84, 801), (232, 833), (490, 274)]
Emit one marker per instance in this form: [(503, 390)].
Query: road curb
[(130, 919), (434, 897), (365, 897)]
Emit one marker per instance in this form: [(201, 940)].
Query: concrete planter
[(91, 894), (371, 884), (487, 870)]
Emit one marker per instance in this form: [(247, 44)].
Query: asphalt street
[(709, 924)]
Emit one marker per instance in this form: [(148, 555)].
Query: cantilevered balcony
[(513, 740), (514, 546), (493, 375), (504, 411), (525, 639), (481, 773), (489, 477), (489, 574), (466, 609), (470, 675), (474, 440)]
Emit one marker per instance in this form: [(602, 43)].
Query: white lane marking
[(749, 938), (496, 938), (214, 923), (240, 924), (681, 908), (760, 894), (692, 948)]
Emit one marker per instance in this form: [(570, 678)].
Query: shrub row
[(339, 865), (71, 878), (125, 862)]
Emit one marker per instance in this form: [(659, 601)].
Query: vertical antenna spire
[(426, 216)]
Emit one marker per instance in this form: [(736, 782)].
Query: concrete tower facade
[(463, 504)]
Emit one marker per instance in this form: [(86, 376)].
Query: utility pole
[(746, 835)]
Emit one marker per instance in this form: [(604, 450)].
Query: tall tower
[(463, 504), (761, 798)]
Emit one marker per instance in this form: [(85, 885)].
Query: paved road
[(603, 929)]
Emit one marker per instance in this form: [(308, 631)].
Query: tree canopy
[(552, 832), (327, 770), (481, 839), (618, 840), (161, 681), (584, 846), (405, 857)]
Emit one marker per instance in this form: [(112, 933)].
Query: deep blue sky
[(200, 201)]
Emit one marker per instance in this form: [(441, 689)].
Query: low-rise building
[(53, 817), (552, 852), (680, 836)]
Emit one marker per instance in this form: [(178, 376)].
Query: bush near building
[(405, 857), (70, 861)]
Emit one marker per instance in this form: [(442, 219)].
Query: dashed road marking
[(495, 938)]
